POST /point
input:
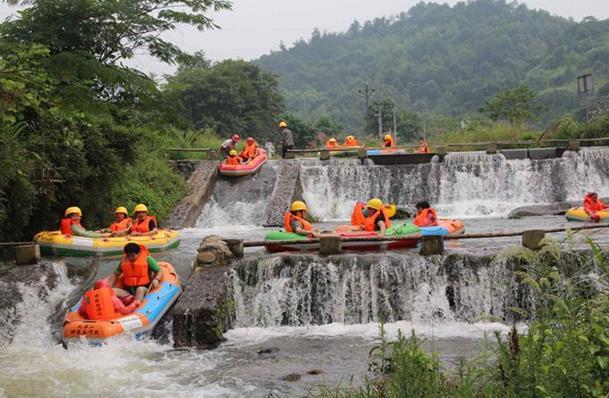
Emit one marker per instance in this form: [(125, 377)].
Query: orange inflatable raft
[(244, 169), (142, 321)]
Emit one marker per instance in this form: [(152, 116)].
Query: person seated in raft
[(229, 145), (388, 141), (122, 225), (294, 220), (140, 272), (70, 225), (250, 151), (232, 159), (351, 141), (375, 217), (592, 204), (331, 143), (361, 210), (426, 215), (143, 225), (423, 146), (101, 302)]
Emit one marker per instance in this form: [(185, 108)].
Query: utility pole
[(380, 116), (585, 89), (367, 92), (395, 124)]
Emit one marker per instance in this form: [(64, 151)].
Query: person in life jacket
[(388, 141), (232, 159), (592, 204), (70, 225), (122, 225), (426, 215), (331, 143), (229, 145), (423, 146), (358, 217), (250, 151), (144, 224), (101, 302), (351, 141), (375, 217), (139, 272), (294, 220)]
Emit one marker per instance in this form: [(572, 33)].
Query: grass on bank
[(563, 353)]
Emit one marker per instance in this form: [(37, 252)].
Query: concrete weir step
[(287, 188)]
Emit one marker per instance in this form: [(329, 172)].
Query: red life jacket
[(232, 161), (136, 273), (426, 218), (289, 218), (423, 148), (121, 225), (370, 221), (66, 225), (591, 205), (99, 304), (143, 226), (357, 216)]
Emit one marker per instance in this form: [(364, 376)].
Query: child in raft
[(592, 204), (232, 159), (426, 215)]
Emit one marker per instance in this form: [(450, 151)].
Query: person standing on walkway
[(287, 139)]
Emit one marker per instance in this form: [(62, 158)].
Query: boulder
[(214, 252)]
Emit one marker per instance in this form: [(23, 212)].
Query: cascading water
[(302, 290), (463, 185)]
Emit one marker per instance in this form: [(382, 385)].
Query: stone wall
[(287, 188)]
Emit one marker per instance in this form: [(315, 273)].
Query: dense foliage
[(226, 97), (442, 60), (76, 126)]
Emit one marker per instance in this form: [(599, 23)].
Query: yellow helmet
[(121, 209), (332, 139), (375, 204), (72, 210), (390, 210), (298, 205), (233, 152), (283, 125), (388, 137), (350, 137), (140, 207)]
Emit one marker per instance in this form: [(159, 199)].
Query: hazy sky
[(254, 27)]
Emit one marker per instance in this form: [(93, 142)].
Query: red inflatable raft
[(244, 169)]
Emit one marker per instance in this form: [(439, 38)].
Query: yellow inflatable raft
[(55, 243), (579, 214)]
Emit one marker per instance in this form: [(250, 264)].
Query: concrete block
[(573, 146), (491, 148), (431, 245), (362, 153), (27, 254), (440, 150), (324, 155), (329, 245), (532, 239)]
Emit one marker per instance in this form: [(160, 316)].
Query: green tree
[(329, 127), (304, 134), (229, 96), (515, 106)]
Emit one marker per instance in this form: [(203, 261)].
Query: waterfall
[(468, 184), (299, 290)]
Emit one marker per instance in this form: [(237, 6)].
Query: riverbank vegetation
[(564, 351)]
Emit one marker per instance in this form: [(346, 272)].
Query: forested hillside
[(443, 60)]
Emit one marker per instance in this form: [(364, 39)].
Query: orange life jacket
[(390, 143), (370, 221), (99, 304), (591, 205), (289, 217), (232, 161), (121, 225), (330, 144), (250, 151), (426, 218), (351, 142), (423, 148), (136, 273), (143, 226), (66, 225), (357, 216)]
